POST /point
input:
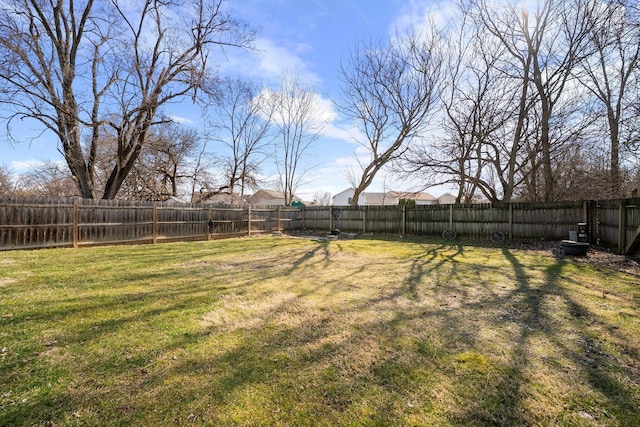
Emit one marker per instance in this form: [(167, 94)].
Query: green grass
[(283, 331)]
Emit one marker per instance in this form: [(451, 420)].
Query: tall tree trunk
[(614, 162)]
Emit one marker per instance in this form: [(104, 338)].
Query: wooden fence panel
[(229, 221), (429, 220), (549, 221), (263, 220), (383, 219), (43, 222), (290, 218), (481, 220), (615, 222), (27, 223), (607, 221), (114, 221), (347, 219), (182, 221), (316, 218), (632, 221)]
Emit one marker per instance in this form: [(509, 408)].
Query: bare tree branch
[(390, 91), (135, 56)]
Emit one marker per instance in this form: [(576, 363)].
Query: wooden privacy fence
[(551, 221), (45, 222)]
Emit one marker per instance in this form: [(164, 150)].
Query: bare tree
[(165, 164), (50, 179), (483, 124), (201, 177), (6, 184), (545, 45), (298, 121), (390, 91), (242, 121), (322, 198), (83, 66), (611, 76), (168, 164)]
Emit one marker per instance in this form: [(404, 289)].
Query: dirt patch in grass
[(595, 256), (604, 258), (6, 281)]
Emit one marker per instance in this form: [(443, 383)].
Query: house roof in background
[(380, 198), (413, 196), (269, 193), (348, 190), (376, 198)]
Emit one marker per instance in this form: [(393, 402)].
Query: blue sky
[(306, 37)]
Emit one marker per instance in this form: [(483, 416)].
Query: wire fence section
[(30, 223)]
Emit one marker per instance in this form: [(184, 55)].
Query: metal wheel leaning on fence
[(449, 234), (494, 236), (497, 237)]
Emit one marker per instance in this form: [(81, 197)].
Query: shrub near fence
[(44, 222)]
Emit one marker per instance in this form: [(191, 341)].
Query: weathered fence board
[(550, 221), (427, 222), (43, 222), (607, 223), (316, 218)]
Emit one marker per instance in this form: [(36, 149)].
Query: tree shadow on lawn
[(498, 390), (556, 335), (435, 345)]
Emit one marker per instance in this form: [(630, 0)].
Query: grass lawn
[(285, 331)]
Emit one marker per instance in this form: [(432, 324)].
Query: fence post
[(622, 227), (76, 223), (331, 218), (154, 224), (510, 221), (364, 219), (403, 226), (249, 221), (278, 222), (450, 217), (210, 218), (586, 218)]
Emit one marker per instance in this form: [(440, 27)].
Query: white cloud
[(419, 14), (25, 165), (334, 127), (269, 61), (351, 134), (21, 166), (324, 108), (180, 120), (275, 59), (328, 177)]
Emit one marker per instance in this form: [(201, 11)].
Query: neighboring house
[(268, 198), (343, 198), (447, 199), (377, 199), (390, 198), (420, 198)]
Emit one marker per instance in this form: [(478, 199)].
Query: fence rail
[(45, 222)]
